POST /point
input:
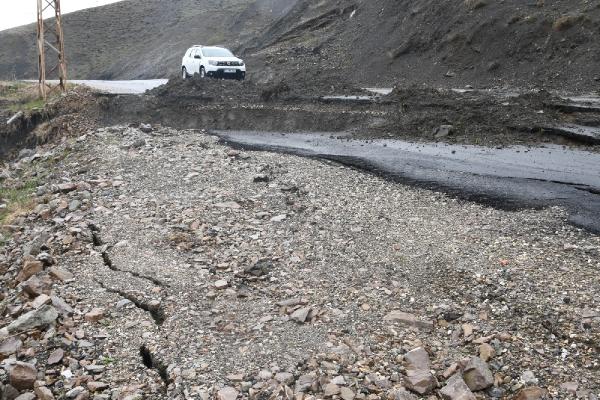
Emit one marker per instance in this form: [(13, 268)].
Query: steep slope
[(140, 38), (479, 42)]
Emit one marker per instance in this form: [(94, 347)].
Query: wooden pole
[(58, 70)]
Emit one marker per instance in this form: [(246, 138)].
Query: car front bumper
[(226, 72)]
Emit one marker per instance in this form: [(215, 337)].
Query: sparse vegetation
[(17, 200), (566, 22)]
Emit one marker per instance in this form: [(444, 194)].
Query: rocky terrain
[(147, 262)]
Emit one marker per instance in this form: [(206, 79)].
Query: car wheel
[(202, 73), (184, 73)]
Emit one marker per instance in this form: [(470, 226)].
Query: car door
[(187, 61)]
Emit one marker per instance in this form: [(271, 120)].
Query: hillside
[(451, 43), (140, 38)]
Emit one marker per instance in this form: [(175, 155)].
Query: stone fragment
[(227, 393), (456, 389), (570, 387), (347, 393), (95, 315), (61, 306), (39, 318), (408, 319), (301, 314), (331, 389), (43, 393), (279, 218), (41, 300), (443, 131), (304, 383), (26, 396), (477, 374), (421, 382), (532, 393), (261, 178), (34, 286), (417, 359), (146, 128), (486, 352), (284, 377), (528, 378), (66, 187), (29, 269), (95, 386), (221, 284), (76, 391), (22, 375), (60, 274), (402, 394), (10, 346), (56, 356)]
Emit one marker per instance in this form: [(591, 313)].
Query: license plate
[(230, 71)]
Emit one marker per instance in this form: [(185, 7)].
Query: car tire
[(184, 74), (202, 73)]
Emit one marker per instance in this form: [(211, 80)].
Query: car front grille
[(229, 64)]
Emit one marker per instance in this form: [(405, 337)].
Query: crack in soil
[(156, 312), (108, 262), (151, 362)]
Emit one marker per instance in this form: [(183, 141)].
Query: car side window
[(200, 53)]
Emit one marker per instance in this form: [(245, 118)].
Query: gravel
[(270, 287)]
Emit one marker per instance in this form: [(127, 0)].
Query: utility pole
[(51, 47)]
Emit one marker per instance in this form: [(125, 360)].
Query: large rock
[(477, 374), (420, 382), (227, 393), (22, 375), (34, 286), (417, 359), (456, 389), (39, 318), (408, 319)]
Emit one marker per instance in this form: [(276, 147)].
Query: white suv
[(212, 61)]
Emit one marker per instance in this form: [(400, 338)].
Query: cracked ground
[(223, 273)]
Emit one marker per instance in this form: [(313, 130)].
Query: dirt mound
[(298, 87), (450, 44)]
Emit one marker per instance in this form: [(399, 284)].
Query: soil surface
[(176, 267)]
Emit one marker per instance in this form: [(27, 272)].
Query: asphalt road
[(510, 178)]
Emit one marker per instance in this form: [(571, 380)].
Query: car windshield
[(216, 52)]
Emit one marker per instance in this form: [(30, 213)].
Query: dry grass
[(566, 22), (18, 201)]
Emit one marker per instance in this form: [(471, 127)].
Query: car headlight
[(211, 62), (241, 64)]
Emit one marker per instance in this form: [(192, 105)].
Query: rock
[(56, 356), (532, 393), (67, 187), (443, 131), (261, 178), (477, 374), (279, 218), (73, 393), (221, 284), (74, 205), (347, 393), (528, 378), (227, 393), (95, 315), (304, 383), (330, 390), (10, 346), (22, 375), (60, 274), (301, 314), (417, 359), (35, 286), (39, 318), (29, 269), (41, 300), (401, 394), (26, 396), (408, 319), (284, 377), (467, 330), (10, 393), (61, 306), (486, 352), (43, 393), (420, 382), (122, 303), (146, 128), (570, 387), (95, 386), (456, 389)]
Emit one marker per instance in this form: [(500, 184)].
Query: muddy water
[(508, 178)]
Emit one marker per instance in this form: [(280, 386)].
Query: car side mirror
[(197, 57)]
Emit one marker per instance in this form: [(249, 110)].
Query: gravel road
[(200, 271)]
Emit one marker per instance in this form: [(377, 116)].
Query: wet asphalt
[(510, 178)]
